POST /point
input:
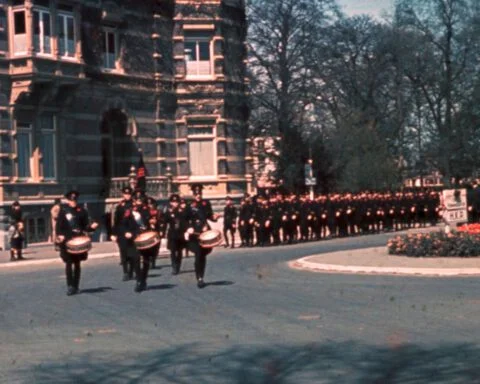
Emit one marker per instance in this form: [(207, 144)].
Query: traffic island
[(379, 262)]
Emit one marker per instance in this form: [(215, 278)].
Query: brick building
[(85, 84)]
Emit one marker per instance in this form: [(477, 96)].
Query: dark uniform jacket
[(229, 216), (72, 222)]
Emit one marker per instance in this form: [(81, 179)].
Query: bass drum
[(147, 240), (79, 245), (210, 238)]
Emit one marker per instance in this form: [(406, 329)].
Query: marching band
[(139, 225)]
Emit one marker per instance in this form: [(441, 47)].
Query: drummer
[(155, 223), (198, 215), (73, 221), (142, 260)]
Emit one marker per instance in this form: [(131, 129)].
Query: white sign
[(308, 171), (454, 202), (310, 181)]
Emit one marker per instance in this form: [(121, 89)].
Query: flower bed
[(436, 244), (469, 228)]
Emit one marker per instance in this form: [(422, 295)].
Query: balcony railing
[(157, 187)]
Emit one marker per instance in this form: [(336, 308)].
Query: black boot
[(71, 291), (200, 283), (19, 255), (12, 255)]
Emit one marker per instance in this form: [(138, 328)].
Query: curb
[(304, 264), (55, 260), (52, 260)]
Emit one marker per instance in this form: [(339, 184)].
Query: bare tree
[(281, 35), (445, 41)]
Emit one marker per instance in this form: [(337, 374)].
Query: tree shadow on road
[(330, 362)]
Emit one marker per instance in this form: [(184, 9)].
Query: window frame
[(212, 137), (49, 131), (106, 31), (41, 35), (14, 34), (208, 38), (64, 16), (26, 128), (4, 29)]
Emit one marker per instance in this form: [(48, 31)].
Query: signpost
[(454, 202), (310, 181)]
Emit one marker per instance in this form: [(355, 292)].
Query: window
[(66, 35), (24, 150), (42, 32), (3, 32), (197, 54), (36, 229), (47, 146), (4, 120), (201, 149), (110, 50), (19, 33)]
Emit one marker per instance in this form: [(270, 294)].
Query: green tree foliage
[(370, 102)]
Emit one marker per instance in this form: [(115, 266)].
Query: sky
[(371, 7)]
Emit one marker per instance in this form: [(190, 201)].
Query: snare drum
[(79, 245), (210, 238), (147, 240)]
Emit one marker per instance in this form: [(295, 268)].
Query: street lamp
[(168, 173), (132, 177), (310, 181)]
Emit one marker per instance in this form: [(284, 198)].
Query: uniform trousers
[(200, 256)]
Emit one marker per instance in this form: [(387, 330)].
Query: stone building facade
[(88, 85)]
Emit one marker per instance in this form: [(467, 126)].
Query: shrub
[(436, 244)]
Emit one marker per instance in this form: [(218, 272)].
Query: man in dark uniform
[(276, 210), (199, 213), (246, 221), (122, 226), (175, 219), (142, 259), (229, 222), (155, 223), (73, 221)]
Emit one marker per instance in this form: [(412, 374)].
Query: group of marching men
[(286, 219), (261, 220), (134, 216)]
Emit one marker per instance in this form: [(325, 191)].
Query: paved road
[(257, 321)]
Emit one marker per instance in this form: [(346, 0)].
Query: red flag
[(141, 175)]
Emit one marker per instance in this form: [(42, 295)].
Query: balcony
[(157, 187)]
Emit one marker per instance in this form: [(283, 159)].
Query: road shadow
[(161, 286), (96, 290), (329, 362), (219, 283)]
